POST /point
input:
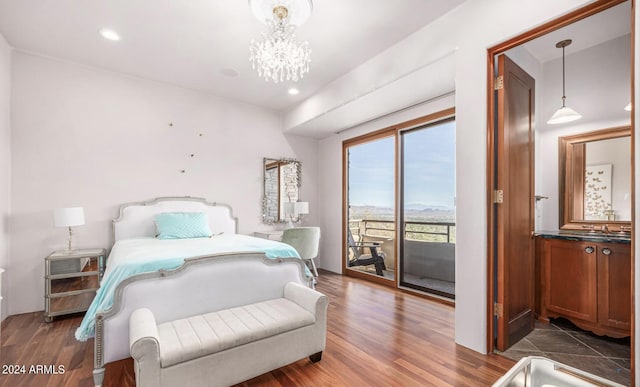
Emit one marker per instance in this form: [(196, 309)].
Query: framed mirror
[(281, 185), (595, 179)]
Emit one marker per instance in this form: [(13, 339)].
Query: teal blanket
[(135, 256)]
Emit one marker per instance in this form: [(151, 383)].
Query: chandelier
[(278, 56)]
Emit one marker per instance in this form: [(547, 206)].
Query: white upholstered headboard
[(136, 220)]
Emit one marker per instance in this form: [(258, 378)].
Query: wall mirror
[(595, 178), (281, 185)]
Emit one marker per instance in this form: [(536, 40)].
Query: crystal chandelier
[(278, 56)]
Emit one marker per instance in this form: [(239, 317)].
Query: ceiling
[(599, 28), (193, 43)]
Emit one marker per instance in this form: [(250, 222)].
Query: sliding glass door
[(399, 205), (427, 201), (370, 197)]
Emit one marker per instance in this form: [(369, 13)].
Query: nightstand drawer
[(62, 285), (66, 266), (70, 302)]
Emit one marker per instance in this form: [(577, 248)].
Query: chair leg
[(314, 269), (379, 265), (316, 357)]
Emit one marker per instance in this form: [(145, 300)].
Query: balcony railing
[(428, 249), (444, 232)]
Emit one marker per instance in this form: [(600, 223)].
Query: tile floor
[(565, 343)]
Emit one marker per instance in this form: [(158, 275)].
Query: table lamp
[(68, 217), (301, 208), (294, 210)]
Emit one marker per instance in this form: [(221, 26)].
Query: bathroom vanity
[(585, 278)]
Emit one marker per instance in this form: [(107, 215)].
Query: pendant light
[(564, 114)]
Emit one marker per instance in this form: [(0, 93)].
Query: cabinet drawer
[(61, 285), (70, 302)]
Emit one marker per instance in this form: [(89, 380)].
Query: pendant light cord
[(564, 96)]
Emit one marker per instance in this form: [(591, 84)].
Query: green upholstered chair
[(306, 241)]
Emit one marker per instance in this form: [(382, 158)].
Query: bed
[(144, 271)]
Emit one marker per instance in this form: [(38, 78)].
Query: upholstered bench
[(229, 346)]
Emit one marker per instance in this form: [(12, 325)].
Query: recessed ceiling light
[(109, 34), (293, 91)]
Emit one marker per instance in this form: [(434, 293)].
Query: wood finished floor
[(376, 336)]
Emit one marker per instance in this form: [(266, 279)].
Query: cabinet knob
[(589, 249), (606, 251)]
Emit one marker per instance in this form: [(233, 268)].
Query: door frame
[(534, 33)]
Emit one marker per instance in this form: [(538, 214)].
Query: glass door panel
[(427, 218), (371, 204)]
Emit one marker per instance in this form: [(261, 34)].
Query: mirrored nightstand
[(71, 280)]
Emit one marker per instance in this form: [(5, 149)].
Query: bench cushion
[(189, 338)]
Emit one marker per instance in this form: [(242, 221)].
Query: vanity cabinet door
[(571, 279), (614, 285)]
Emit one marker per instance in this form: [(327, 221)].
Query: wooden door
[(515, 214), (614, 285)]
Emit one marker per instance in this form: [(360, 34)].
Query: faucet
[(624, 229), (588, 226), (605, 228)]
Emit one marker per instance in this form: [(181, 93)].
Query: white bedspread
[(142, 250), (129, 257)]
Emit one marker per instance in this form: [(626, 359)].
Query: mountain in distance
[(431, 207), (414, 211)]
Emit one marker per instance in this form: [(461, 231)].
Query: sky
[(429, 167)]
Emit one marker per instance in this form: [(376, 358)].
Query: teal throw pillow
[(180, 225)]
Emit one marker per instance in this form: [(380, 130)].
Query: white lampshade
[(628, 107), (288, 208), (301, 208), (564, 114), (68, 217)]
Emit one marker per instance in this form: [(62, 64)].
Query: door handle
[(589, 249), (606, 251)]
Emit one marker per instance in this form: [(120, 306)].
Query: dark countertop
[(577, 235)]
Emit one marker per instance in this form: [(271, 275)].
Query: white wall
[(87, 137), (467, 28), (600, 100), (5, 163)]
